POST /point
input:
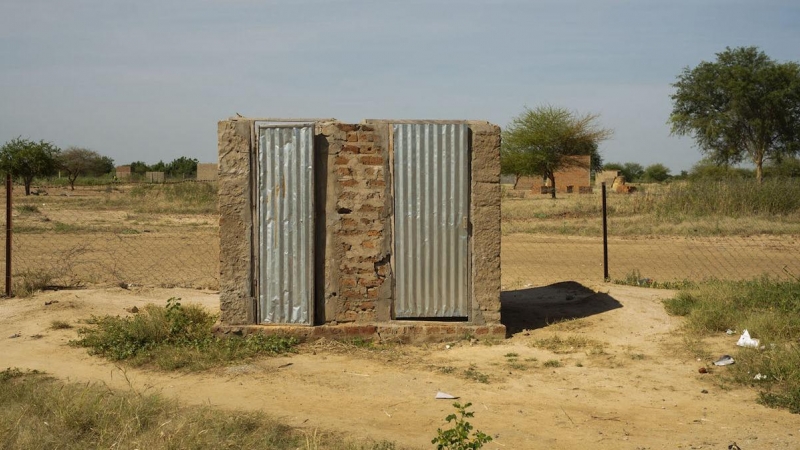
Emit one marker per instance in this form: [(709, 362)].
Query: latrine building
[(388, 229)]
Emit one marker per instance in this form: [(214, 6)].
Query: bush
[(458, 436), (770, 311), (174, 337)]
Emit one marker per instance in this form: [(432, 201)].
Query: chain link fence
[(659, 234), (162, 235), (166, 235)]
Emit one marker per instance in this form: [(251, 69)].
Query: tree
[(182, 167), (139, 168), (742, 105), (28, 159), (78, 161), (656, 173), (630, 170), (540, 142)]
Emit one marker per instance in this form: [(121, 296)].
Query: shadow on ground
[(528, 309)]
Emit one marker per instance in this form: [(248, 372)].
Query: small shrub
[(552, 363), (458, 436), (473, 374), (60, 325), (174, 337), (27, 209)]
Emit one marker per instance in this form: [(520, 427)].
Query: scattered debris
[(50, 302), (284, 365), (445, 396), (730, 332), (702, 370), (759, 377), (704, 391), (734, 447), (746, 341), (132, 310), (724, 360), (15, 335)]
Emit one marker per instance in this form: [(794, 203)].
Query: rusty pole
[(9, 187), (605, 236)]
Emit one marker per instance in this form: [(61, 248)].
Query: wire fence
[(162, 235), (166, 235), (649, 241)]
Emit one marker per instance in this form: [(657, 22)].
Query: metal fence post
[(605, 235), (9, 187)]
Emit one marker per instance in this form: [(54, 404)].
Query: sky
[(149, 80)]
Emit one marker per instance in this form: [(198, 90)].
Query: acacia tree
[(656, 173), (78, 161), (742, 105), (541, 142), (28, 159)]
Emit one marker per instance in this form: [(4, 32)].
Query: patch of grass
[(473, 374), (41, 412), (511, 355), (552, 363), (27, 209), (569, 344), (174, 337), (635, 278), (446, 369), (186, 198), (29, 282), (770, 310), (60, 325)]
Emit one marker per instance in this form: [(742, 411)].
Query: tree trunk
[(552, 178), (27, 182), (759, 171), (516, 180)]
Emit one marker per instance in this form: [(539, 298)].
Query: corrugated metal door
[(431, 196), (285, 214)]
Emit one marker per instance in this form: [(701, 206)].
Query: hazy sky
[(148, 80)]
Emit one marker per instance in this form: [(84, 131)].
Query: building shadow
[(532, 308)]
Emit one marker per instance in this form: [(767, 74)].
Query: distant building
[(576, 178), (207, 171), (154, 177), (123, 172)]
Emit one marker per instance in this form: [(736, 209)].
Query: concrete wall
[(207, 171), (354, 278)]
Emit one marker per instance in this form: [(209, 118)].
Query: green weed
[(174, 337), (458, 437)]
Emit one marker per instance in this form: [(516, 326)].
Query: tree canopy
[(28, 159), (540, 141), (77, 161), (656, 173), (630, 170), (743, 105)]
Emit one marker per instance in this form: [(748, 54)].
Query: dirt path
[(621, 381)]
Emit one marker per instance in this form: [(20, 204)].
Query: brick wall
[(360, 221)]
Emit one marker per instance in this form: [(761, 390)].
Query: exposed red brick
[(344, 171), (341, 161), (347, 127), (372, 293), (365, 137), (348, 183), (352, 136), (353, 293), (367, 128), (368, 244), (370, 282), (367, 149), (376, 183), (372, 160), (350, 149), (367, 306), (347, 282), (374, 233)]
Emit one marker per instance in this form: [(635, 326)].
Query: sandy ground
[(629, 385)]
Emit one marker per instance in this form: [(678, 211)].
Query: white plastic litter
[(444, 395), (725, 360), (746, 341), (759, 377)]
